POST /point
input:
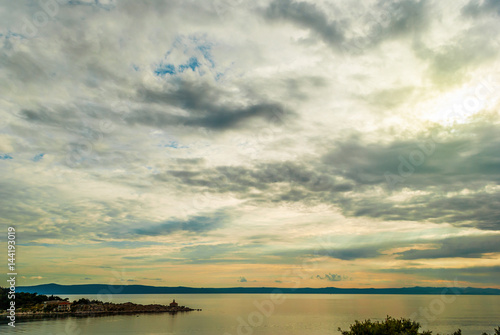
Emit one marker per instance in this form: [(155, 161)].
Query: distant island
[(90, 289), (33, 305)]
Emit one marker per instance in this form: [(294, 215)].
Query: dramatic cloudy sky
[(252, 143)]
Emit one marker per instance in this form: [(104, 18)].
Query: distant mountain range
[(91, 289)]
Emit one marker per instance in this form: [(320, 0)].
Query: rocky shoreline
[(104, 309)]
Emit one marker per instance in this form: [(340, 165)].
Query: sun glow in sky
[(252, 143)]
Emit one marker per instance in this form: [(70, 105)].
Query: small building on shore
[(174, 304), (59, 305), (64, 306)]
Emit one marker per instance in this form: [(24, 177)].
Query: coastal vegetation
[(392, 326), (26, 301), (30, 304)]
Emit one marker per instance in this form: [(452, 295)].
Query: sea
[(266, 314)]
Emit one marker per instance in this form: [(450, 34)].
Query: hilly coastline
[(143, 289)]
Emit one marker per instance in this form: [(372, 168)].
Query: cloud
[(213, 253), (276, 178), (474, 274), (308, 16), (346, 253), (374, 24), (408, 17), (453, 164), (6, 144), (433, 157), (242, 280), (449, 63), (197, 224), (475, 8), (474, 210), (333, 277), (461, 246), (207, 106)]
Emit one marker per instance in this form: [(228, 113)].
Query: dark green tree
[(389, 326)]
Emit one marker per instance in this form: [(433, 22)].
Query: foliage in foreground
[(391, 326), (24, 300)]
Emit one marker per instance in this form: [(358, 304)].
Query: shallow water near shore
[(259, 314)]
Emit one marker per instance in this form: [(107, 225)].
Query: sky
[(278, 143)]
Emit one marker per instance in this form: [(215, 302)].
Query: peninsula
[(35, 305)]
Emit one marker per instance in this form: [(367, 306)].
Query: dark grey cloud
[(24, 67), (242, 280), (308, 16), (40, 116), (207, 106), (462, 246), (83, 120), (95, 4), (436, 166), (383, 21), (372, 251), (475, 8), (473, 246), (477, 274), (333, 277), (405, 16), (465, 161), (351, 253), (186, 104), (263, 177), (196, 224), (388, 20), (479, 210), (230, 253)]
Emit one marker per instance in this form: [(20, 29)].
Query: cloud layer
[(221, 142)]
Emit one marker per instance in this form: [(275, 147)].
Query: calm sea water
[(245, 314)]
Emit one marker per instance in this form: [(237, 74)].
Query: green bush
[(497, 331), (390, 326), (24, 300)]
